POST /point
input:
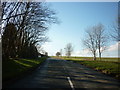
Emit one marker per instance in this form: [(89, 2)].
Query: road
[(55, 73)]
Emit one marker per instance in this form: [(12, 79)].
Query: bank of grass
[(112, 59), (12, 68), (109, 66)]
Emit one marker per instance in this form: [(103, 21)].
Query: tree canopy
[(24, 27)]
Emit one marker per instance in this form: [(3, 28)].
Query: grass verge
[(108, 67), (14, 69), (111, 59)]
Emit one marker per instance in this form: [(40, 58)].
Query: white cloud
[(113, 47), (84, 52), (112, 50), (77, 53)]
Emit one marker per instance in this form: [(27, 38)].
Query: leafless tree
[(91, 41), (69, 49), (31, 20), (116, 30), (101, 38), (96, 40)]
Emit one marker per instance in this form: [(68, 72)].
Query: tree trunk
[(99, 54), (94, 56)]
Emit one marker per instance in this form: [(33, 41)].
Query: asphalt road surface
[(55, 73)]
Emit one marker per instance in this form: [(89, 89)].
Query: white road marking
[(70, 82)]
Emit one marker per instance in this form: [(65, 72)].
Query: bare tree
[(91, 41), (101, 38), (96, 40), (116, 30), (69, 49), (31, 20)]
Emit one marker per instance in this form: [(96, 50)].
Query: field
[(109, 66), (15, 68), (90, 58)]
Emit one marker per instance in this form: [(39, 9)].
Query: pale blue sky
[(75, 17)]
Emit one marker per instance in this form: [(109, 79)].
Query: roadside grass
[(14, 68), (90, 58), (109, 66)]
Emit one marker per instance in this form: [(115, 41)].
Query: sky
[(74, 18)]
